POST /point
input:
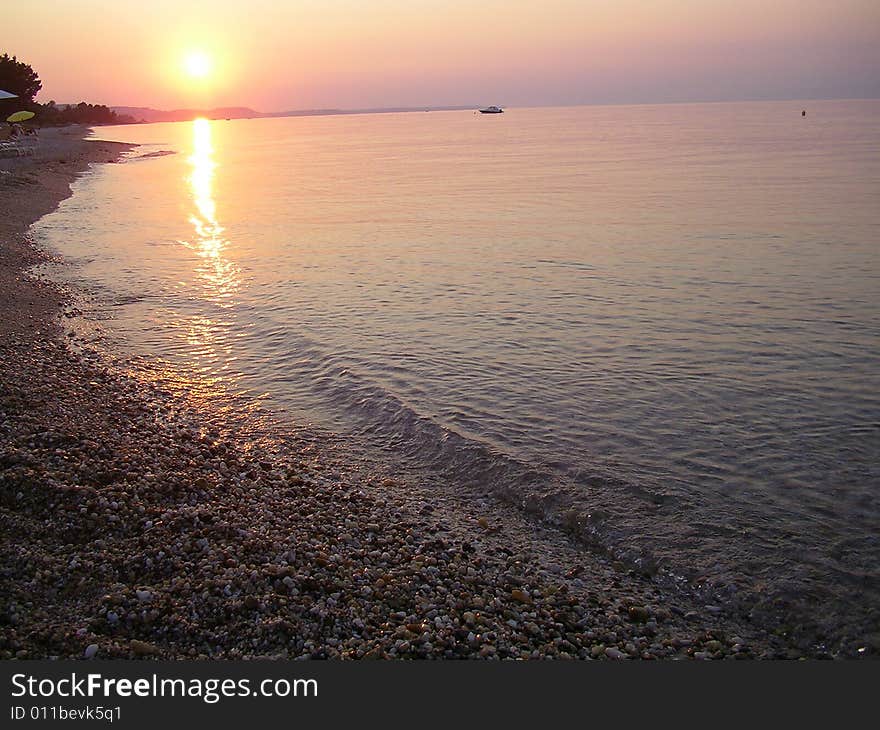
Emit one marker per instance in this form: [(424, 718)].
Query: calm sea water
[(657, 325)]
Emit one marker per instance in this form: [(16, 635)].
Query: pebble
[(143, 648), (520, 595)]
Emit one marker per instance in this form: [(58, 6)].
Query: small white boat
[(492, 110)]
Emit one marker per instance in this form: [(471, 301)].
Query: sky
[(275, 55)]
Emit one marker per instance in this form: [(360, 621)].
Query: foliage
[(51, 114), (18, 78)]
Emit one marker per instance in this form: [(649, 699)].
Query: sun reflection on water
[(218, 274), (217, 278)]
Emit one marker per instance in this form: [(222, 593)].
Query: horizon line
[(462, 107)]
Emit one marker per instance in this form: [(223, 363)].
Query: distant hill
[(146, 114)]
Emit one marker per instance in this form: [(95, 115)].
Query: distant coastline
[(148, 115)]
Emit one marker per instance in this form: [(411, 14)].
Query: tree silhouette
[(18, 78)]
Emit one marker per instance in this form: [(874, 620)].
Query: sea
[(655, 327)]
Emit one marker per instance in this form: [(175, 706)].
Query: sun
[(197, 64)]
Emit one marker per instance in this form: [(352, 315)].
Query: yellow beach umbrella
[(19, 117)]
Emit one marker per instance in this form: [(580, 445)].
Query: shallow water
[(657, 325)]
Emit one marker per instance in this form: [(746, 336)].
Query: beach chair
[(29, 141), (18, 146)]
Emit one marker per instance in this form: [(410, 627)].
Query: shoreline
[(140, 521)]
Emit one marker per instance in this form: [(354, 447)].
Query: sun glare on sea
[(197, 65), (218, 274)]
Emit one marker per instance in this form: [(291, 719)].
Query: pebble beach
[(143, 519)]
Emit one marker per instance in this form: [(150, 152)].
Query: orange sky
[(294, 54)]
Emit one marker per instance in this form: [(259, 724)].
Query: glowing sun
[(197, 65)]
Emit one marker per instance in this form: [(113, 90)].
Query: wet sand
[(143, 516)]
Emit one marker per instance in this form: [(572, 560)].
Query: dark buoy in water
[(804, 113)]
